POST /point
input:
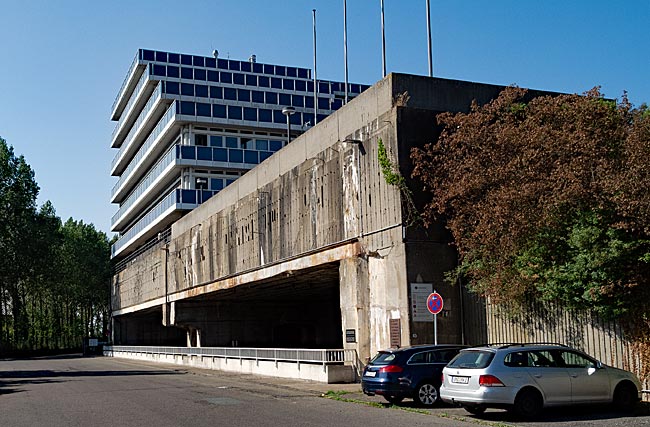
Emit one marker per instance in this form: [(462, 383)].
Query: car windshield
[(383, 358), (472, 359)]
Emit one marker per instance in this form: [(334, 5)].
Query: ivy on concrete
[(392, 176)]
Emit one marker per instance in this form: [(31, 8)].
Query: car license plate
[(370, 373), (460, 380)]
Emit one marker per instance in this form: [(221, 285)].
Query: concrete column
[(354, 299), (189, 337), (115, 331), (373, 294), (193, 337), (169, 313)]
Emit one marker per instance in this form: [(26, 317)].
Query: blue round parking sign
[(434, 303)]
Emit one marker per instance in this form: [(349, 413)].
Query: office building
[(188, 126)]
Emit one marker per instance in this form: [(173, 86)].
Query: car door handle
[(574, 375), (537, 375)]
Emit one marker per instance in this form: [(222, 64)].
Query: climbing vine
[(392, 176)]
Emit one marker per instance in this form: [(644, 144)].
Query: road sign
[(419, 294), (434, 303)]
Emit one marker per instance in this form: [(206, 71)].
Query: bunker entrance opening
[(294, 309)]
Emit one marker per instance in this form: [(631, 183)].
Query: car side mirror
[(599, 364)]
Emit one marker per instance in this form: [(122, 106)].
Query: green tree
[(18, 192), (548, 199), (85, 265), (54, 278)]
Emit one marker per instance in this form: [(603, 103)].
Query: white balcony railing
[(128, 140), (177, 199), (126, 80), (144, 78), (154, 174), (144, 150)]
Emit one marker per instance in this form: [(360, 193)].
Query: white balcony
[(139, 97), (153, 110), (147, 153), (165, 212)]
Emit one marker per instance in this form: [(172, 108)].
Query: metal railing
[(163, 237), (298, 355), (178, 199), (134, 95), (139, 122), (154, 173), (151, 141), (126, 80)]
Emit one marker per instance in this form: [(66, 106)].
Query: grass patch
[(340, 396), (331, 394)]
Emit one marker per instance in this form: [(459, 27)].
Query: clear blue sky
[(62, 62)]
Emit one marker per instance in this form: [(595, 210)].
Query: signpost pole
[(435, 325), (435, 329), (434, 305)]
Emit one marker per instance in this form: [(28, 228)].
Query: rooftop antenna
[(215, 53)]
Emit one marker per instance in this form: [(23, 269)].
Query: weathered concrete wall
[(142, 281)]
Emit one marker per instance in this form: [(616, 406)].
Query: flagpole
[(429, 37), (383, 42), (345, 46), (315, 75)]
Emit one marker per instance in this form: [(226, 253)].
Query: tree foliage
[(547, 198), (54, 277)]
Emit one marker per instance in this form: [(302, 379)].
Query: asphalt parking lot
[(583, 416)]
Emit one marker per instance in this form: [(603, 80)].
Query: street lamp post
[(288, 111)]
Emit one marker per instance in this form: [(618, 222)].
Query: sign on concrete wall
[(395, 327), (419, 294)]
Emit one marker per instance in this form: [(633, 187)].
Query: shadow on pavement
[(549, 416), (71, 374), (66, 356), (10, 379), (567, 414)]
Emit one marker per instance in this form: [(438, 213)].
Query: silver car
[(525, 378)]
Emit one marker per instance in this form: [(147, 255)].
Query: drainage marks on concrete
[(222, 401)]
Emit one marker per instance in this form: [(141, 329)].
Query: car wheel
[(475, 409), (625, 396), (528, 403), (426, 394), (394, 399)]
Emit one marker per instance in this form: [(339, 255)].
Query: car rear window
[(472, 359), (383, 358)]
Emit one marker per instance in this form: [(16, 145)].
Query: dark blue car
[(408, 372)]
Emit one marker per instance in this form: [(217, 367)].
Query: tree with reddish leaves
[(547, 199)]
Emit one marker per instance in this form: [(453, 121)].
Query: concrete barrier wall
[(306, 371)]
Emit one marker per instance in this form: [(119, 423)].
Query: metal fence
[(298, 355), (604, 340)]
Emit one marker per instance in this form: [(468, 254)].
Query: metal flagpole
[(315, 79), (429, 37), (345, 45), (383, 42)]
